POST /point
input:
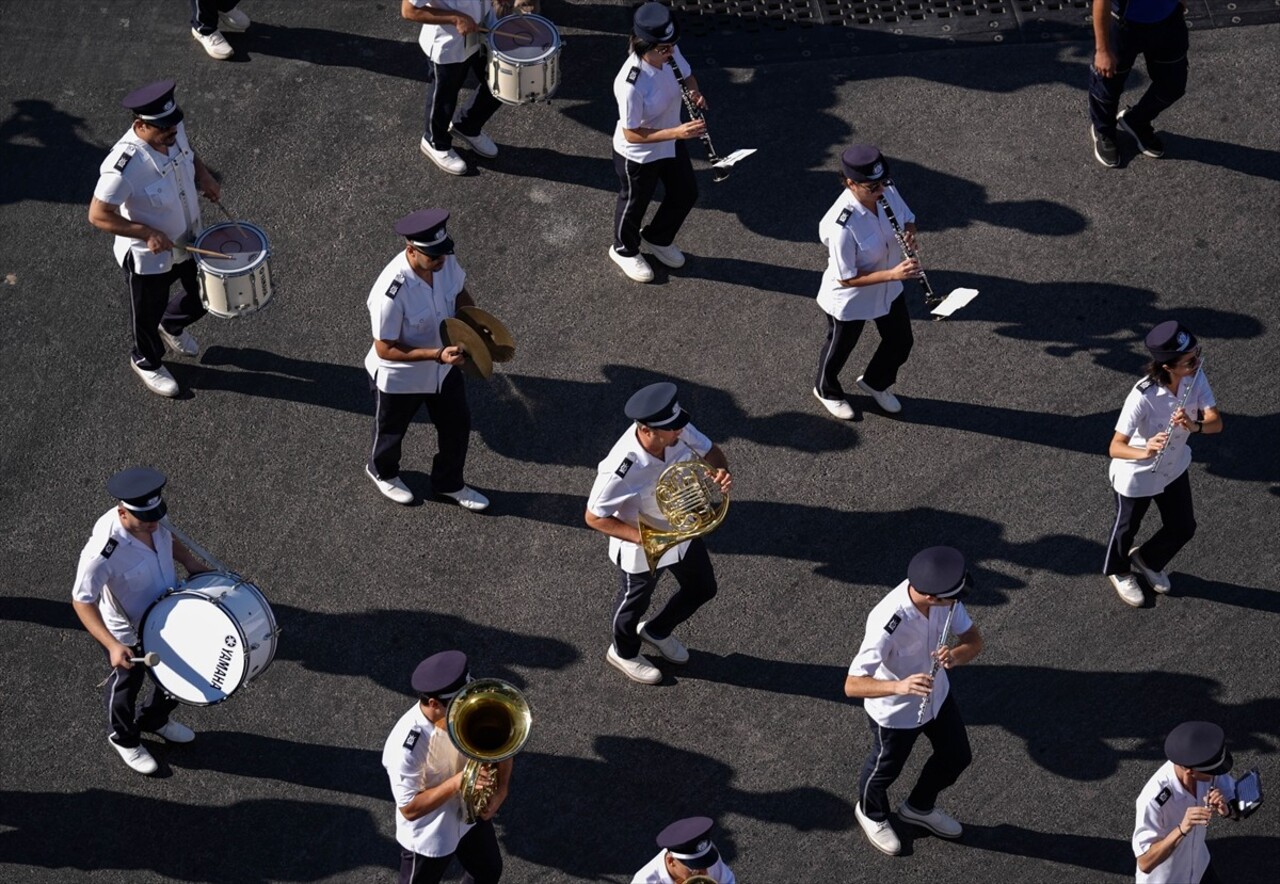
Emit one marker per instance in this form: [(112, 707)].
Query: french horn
[(691, 501)]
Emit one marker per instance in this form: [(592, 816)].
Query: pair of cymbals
[(483, 338)]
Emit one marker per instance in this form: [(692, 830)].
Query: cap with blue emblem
[(154, 104), (138, 490), (654, 23), (1169, 340), (425, 231), (939, 571), (441, 675), (689, 841), (655, 406), (1199, 745), (864, 163)]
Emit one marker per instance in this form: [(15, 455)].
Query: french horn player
[(659, 490)]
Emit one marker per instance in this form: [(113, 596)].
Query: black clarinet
[(718, 173), (930, 299)]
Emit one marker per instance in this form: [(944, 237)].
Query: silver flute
[(933, 670), (930, 299), (718, 173), (1182, 403)]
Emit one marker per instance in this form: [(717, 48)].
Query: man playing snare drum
[(126, 565)]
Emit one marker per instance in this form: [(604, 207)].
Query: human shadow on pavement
[(1255, 161), (42, 612), (321, 46), (45, 156), (816, 681), (1109, 855), (1250, 598)]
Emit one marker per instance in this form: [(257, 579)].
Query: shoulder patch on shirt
[(624, 468), (1165, 795), (844, 217), (633, 75), (1145, 384), (110, 548), (411, 740), (394, 288), (123, 160), (893, 623)]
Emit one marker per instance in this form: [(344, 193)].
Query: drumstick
[(231, 218), (208, 253), (517, 36), (149, 659)]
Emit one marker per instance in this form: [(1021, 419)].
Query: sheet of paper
[(954, 301)]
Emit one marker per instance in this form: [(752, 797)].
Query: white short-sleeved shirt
[(624, 489), (122, 575), (1161, 805), (404, 308), (152, 188), (442, 43), (897, 643), (418, 755), (1146, 413), (648, 98), (859, 242), (655, 872)]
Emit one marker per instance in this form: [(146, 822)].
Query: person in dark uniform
[(409, 365), (1153, 421), (425, 769), (900, 673), (1176, 804), (686, 850), (1123, 30), (127, 564), (648, 144), (148, 196)]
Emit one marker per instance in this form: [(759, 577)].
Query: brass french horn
[(488, 721), (692, 503)]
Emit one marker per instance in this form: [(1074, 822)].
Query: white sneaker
[(184, 344), (881, 835), (158, 381), (838, 407), (233, 20), (935, 821), (1158, 580), (1128, 589), (637, 669), (884, 398), (175, 732), (669, 255), (481, 144), (445, 159), (137, 758), (671, 648), (468, 498), (394, 489), (634, 266), (215, 44)]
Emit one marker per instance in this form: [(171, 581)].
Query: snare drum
[(524, 59), (241, 284), (214, 633)]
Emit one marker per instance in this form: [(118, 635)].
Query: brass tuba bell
[(692, 503), (488, 721)]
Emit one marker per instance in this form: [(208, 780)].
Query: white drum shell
[(523, 80), (213, 634), (231, 290)]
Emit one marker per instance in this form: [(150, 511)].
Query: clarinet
[(718, 173), (930, 299), (1182, 403), (933, 670)]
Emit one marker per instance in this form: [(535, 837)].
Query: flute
[(1182, 403), (933, 670), (930, 299), (718, 172)]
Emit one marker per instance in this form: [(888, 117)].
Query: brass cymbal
[(502, 346), (457, 333)]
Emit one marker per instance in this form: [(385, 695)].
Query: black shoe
[(1104, 149), (1148, 141)]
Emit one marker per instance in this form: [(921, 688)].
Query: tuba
[(692, 503), (701, 879), (488, 721)]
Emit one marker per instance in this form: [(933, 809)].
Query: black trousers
[(204, 13), (477, 852), (121, 692), (890, 748), (896, 341), (1178, 518), (1164, 46), (448, 410), (442, 100), (151, 305), (637, 182), (697, 581)]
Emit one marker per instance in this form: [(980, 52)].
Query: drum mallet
[(151, 658)]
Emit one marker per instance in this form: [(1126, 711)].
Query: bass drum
[(214, 634), (524, 59)]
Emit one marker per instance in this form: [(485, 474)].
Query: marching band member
[(409, 366), (209, 18), (425, 769), (1176, 804), (648, 144), (687, 850), (623, 492), (126, 565), (148, 196), (903, 645), (1172, 401), (863, 280)]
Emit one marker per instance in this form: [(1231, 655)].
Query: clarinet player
[(905, 641), (648, 144)]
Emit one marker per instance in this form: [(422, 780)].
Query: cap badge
[(168, 106), (877, 170), (703, 845), (1183, 340)]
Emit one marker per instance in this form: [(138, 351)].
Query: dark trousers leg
[(148, 304), (1129, 514), (896, 341), (449, 412), (1178, 523), (1210, 876), (442, 100), (842, 337), (1105, 92), (951, 755), (418, 869), (483, 104), (697, 579), (126, 721), (204, 13), (479, 855), (392, 414), (679, 194), (1165, 52), (184, 307), (890, 748), (637, 182), (634, 593)]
